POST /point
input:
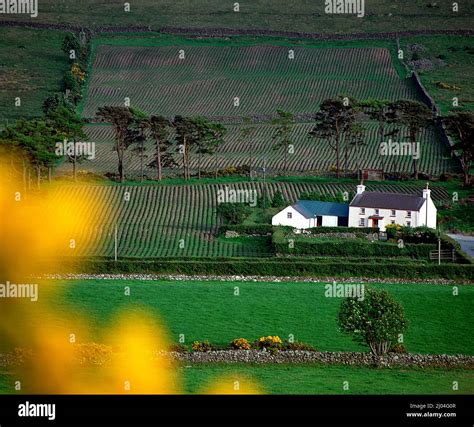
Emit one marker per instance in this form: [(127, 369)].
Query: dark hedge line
[(324, 230), (285, 268), (347, 247)]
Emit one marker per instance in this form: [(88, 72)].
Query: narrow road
[(466, 242)]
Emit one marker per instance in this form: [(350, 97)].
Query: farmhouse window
[(408, 223), (377, 211), (362, 211), (408, 214), (362, 222), (393, 212), (392, 221), (289, 215)]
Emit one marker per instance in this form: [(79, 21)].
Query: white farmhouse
[(308, 213), (378, 209)]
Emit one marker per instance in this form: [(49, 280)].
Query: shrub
[(179, 348), (233, 213), (240, 344), (269, 343), (297, 346), (278, 201), (202, 346), (376, 320)]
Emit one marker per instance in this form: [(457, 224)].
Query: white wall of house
[(395, 216), (297, 220), (428, 218), (329, 221)]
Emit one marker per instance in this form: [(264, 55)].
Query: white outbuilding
[(308, 214)]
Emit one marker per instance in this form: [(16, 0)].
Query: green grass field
[(312, 379), (31, 68), (308, 16), (453, 59), (440, 323)]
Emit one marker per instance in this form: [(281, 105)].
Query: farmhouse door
[(375, 223)]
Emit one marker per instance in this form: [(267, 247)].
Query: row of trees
[(340, 122)]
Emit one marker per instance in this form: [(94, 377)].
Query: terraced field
[(209, 78), (309, 154), (165, 221)]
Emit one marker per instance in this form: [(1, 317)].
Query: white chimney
[(427, 192), (360, 188)]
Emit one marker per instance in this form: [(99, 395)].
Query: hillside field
[(180, 220), (204, 78), (303, 15)]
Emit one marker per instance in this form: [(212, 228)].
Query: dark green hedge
[(361, 230), (347, 247), (283, 267)]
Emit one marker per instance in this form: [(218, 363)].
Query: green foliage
[(71, 42), (331, 267), (201, 346), (376, 320), (278, 201), (233, 213), (346, 247)]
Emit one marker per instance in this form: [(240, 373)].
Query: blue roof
[(311, 208)]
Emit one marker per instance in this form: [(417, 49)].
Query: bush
[(202, 346), (278, 201), (297, 346), (361, 230), (376, 320), (233, 213), (240, 344), (270, 342)]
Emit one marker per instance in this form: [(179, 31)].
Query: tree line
[(339, 122)]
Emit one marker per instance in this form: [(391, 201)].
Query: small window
[(392, 222), (408, 214), (377, 211), (362, 222), (362, 211), (408, 223), (393, 213), (289, 215)]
